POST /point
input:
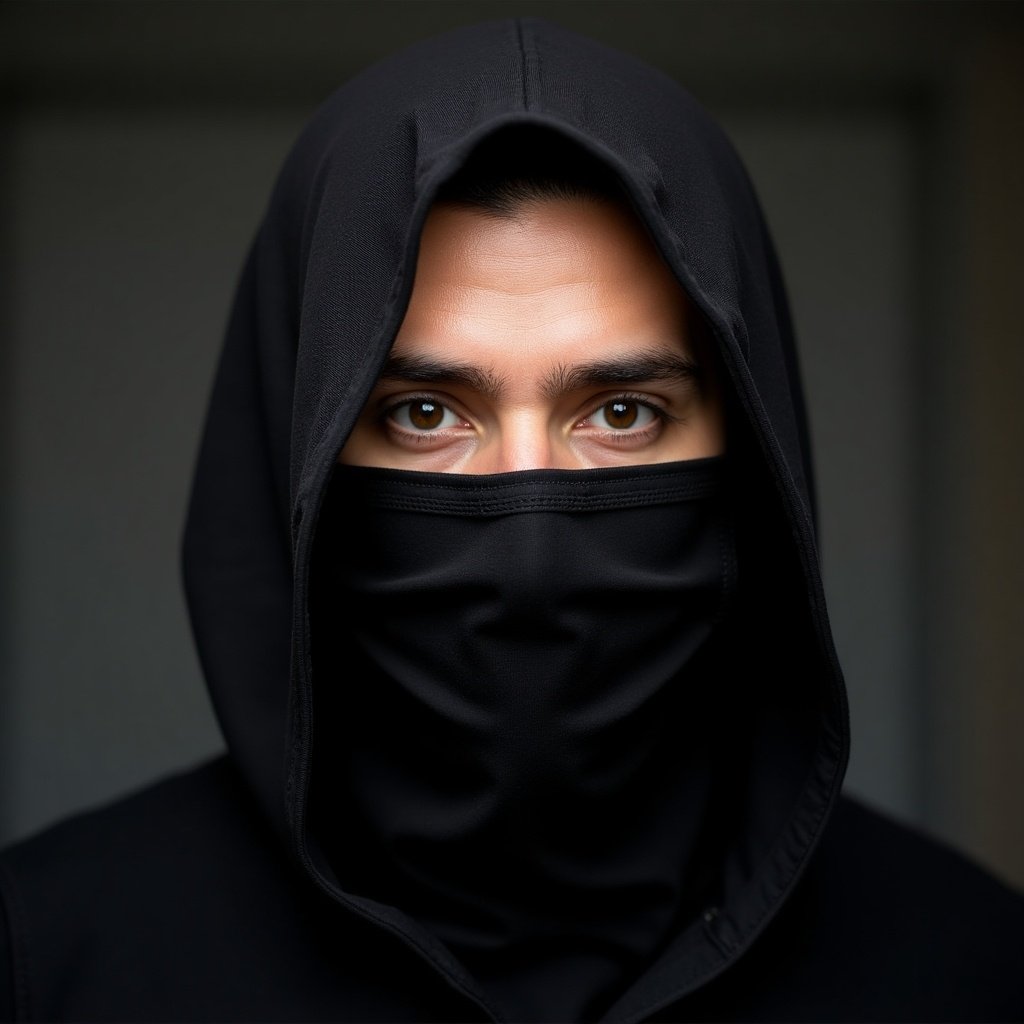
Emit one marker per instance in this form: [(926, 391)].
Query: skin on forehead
[(553, 338)]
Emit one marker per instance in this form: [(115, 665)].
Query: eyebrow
[(634, 368), (424, 370)]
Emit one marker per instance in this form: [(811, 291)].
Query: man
[(503, 572)]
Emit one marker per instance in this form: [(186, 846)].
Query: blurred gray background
[(887, 142)]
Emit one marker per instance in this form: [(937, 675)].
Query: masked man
[(502, 567)]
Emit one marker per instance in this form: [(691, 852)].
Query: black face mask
[(516, 688)]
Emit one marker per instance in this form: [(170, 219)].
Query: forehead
[(565, 279), (603, 239)]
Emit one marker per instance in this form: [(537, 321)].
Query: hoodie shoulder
[(127, 895), (165, 821), (887, 924), (900, 862), (924, 893), (944, 933), (181, 903)]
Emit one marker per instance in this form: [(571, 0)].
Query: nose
[(523, 441)]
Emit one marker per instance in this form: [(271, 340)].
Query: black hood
[(320, 301)]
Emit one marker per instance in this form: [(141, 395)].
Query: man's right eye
[(423, 414)]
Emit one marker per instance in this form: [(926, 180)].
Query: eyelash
[(661, 417), (413, 436)]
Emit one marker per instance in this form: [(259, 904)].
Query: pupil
[(620, 414), (426, 415)]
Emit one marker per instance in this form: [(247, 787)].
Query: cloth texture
[(537, 648), (266, 886)]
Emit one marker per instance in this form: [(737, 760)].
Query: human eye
[(625, 413), (422, 415)]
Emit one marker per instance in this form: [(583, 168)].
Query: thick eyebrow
[(424, 370), (634, 368)]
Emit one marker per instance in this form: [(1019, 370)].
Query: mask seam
[(568, 503)]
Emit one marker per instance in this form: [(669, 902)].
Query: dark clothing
[(267, 886), (177, 904)]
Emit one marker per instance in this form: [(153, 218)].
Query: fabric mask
[(516, 689)]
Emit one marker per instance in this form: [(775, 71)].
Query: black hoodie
[(214, 895)]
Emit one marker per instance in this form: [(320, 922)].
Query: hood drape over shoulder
[(321, 299)]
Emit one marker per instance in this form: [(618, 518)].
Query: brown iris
[(620, 414), (426, 415)]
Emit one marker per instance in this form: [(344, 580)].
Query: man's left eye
[(423, 414), (622, 414)]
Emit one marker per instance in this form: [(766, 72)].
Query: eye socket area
[(433, 422), (423, 414), (623, 414)]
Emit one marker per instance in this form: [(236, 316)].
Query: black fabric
[(536, 649), (230, 893), (885, 926)]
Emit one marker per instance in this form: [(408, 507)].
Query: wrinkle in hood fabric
[(321, 298)]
